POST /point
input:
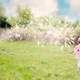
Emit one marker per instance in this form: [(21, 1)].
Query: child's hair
[(77, 40)]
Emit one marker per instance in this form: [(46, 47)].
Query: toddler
[(77, 53)]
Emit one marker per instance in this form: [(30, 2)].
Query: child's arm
[(76, 48)]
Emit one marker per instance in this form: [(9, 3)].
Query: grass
[(28, 61)]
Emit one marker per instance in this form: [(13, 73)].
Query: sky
[(70, 8)]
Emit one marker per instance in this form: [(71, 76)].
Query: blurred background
[(48, 21)]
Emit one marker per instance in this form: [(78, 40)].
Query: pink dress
[(77, 53)]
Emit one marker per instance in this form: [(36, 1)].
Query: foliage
[(3, 19), (16, 33), (24, 16), (48, 36), (4, 23), (12, 21)]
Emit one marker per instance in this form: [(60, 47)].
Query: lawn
[(23, 60)]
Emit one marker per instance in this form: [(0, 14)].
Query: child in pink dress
[(77, 51)]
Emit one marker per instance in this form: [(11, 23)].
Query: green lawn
[(28, 61)]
